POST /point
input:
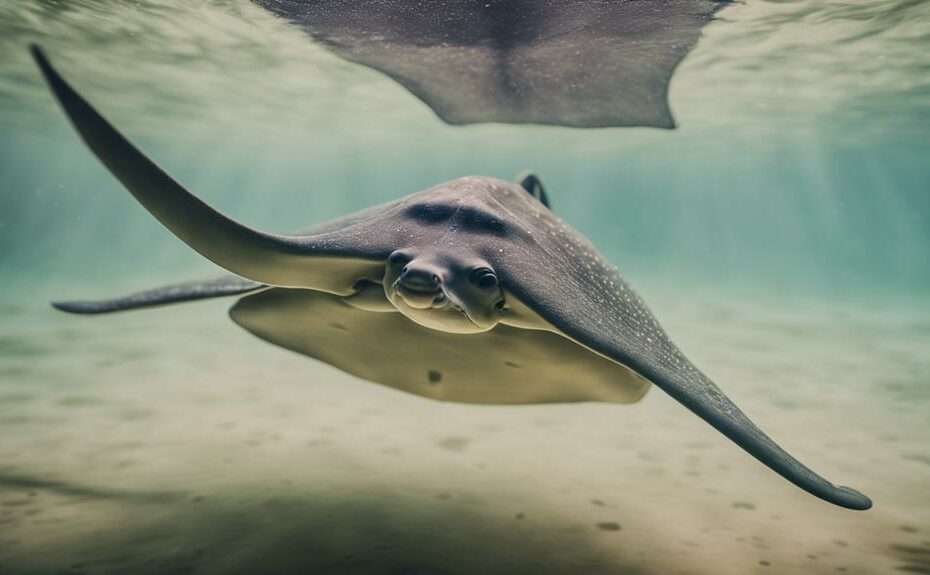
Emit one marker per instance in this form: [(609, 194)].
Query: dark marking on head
[(609, 526), (743, 505), (512, 364), (434, 376), (430, 213), (480, 220), (469, 218), (337, 325)]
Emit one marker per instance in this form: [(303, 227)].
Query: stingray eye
[(399, 258), (484, 278)]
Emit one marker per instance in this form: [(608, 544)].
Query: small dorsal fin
[(533, 185)]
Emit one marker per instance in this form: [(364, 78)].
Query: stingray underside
[(506, 365), (562, 62)]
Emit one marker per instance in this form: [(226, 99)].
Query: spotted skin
[(553, 279)]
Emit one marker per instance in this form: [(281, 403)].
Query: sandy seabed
[(170, 441)]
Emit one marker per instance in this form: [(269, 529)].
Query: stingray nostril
[(420, 279)]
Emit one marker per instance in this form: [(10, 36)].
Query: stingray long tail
[(177, 293)]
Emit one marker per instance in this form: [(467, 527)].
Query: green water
[(781, 234)]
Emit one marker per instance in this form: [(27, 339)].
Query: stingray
[(579, 63), (471, 291)]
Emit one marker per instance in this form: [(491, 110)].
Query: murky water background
[(782, 235)]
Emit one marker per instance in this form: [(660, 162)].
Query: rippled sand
[(170, 441)]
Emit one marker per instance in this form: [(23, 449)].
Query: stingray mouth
[(422, 298)]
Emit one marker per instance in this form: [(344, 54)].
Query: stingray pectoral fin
[(622, 328), (698, 393), (262, 257), (667, 368), (178, 293)]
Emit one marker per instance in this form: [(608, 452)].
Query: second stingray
[(560, 62)]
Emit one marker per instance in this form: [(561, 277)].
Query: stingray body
[(471, 291), (578, 63)]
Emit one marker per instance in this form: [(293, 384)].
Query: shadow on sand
[(286, 531)]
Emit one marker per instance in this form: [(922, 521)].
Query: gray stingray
[(579, 63), (471, 291)]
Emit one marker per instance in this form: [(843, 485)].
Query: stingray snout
[(421, 287), (420, 279)]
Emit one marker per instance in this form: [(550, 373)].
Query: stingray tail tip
[(853, 499), (73, 307)]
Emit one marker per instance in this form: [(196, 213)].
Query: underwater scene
[(458, 382)]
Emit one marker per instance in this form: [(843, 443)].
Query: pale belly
[(506, 365)]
